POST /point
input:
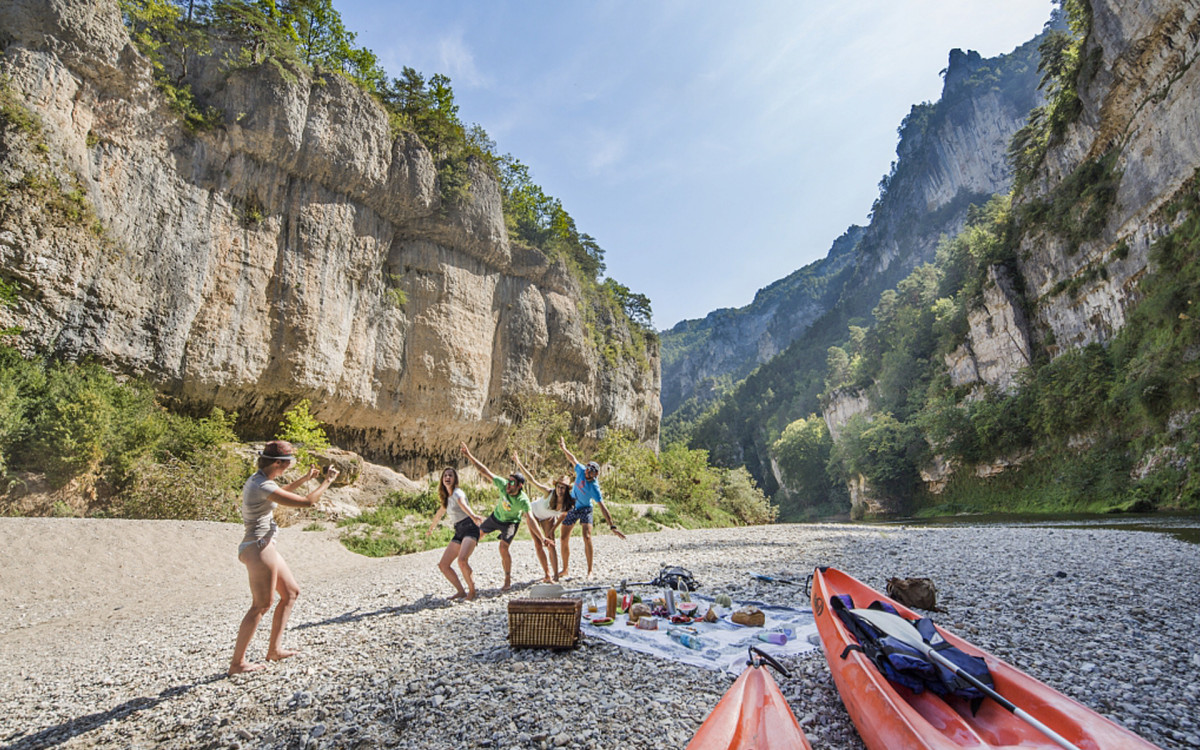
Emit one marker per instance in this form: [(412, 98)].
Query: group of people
[(567, 503)]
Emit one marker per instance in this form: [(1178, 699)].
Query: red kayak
[(889, 716), (752, 715)]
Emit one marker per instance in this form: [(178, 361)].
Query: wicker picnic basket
[(544, 623)]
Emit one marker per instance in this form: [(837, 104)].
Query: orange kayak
[(752, 715), (892, 717)]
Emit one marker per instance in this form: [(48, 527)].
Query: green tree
[(803, 452), (303, 430)]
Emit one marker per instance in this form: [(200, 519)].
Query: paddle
[(903, 630), (770, 579)]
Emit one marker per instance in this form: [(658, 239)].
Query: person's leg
[(262, 588), (448, 556), (464, 564), (506, 563), (540, 551), (548, 532), (565, 543), (586, 528), (288, 590)]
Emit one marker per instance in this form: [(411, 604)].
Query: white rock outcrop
[(297, 250)]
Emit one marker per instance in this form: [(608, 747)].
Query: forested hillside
[(1046, 358), (950, 156)]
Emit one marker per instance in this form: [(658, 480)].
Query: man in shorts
[(506, 516), (585, 491)]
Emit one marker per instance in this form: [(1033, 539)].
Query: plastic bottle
[(777, 638), (610, 605), (669, 596), (685, 639)]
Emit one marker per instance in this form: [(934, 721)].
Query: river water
[(1185, 527)]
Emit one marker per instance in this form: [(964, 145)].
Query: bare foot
[(556, 577), (546, 579), (459, 595), (244, 667), (469, 597), (507, 584), (280, 655)]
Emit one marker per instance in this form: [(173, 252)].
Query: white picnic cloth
[(725, 643)]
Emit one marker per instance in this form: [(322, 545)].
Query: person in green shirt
[(506, 516)]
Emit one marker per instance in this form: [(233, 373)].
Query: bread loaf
[(638, 611), (749, 616)]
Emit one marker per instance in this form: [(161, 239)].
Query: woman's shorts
[(491, 523), (576, 515), (466, 528)]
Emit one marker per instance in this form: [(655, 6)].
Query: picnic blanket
[(724, 642)]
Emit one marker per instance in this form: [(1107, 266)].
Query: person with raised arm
[(506, 516), (458, 513), (548, 512), (585, 491), (267, 570)]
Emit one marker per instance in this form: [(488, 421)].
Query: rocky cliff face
[(298, 250), (1140, 96), (951, 153), (727, 344)]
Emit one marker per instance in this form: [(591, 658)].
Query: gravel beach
[(118, 633)]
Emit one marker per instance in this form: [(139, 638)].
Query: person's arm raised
[(562, 443), (528, 474), (475, 461)]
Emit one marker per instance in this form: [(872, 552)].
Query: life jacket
[(905, 665)]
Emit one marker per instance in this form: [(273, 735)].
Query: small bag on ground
[(918, 593)]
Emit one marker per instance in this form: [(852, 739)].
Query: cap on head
[(278, 450), (593, 466), (517, 477), (566, 480)]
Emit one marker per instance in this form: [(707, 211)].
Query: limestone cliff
[(297, 250), (951, 154), (1139, 97), (1110, 184)]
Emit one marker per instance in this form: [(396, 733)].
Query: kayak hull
[(892, 717), (752, 715)]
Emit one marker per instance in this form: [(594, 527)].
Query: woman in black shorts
[(458, 512)]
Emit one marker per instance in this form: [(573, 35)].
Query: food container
[(543, 623), (647, 623)]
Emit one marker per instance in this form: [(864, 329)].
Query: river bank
[(117, 634)]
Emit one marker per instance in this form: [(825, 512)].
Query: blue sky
[(709, 147)]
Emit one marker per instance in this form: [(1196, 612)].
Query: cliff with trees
[(232, 202)]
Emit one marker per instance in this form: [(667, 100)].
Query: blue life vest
[(905, 665)]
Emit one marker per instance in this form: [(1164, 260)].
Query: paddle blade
[(752, 714), (895, 626)]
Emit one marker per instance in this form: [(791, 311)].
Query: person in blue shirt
[(585, 492)]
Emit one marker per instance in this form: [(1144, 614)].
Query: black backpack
[(675, 577)]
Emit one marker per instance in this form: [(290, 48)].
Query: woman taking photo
[(466, 533), (267, 570), (548, 512)]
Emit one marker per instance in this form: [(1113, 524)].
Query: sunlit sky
[(711, 148)]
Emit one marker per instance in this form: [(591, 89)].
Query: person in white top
[(548, 512), (466, 522), (266, 567)]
